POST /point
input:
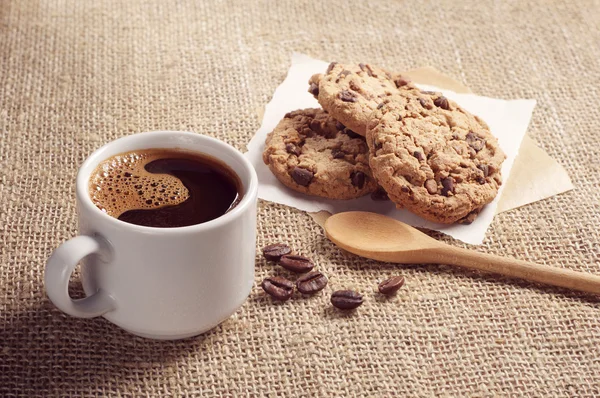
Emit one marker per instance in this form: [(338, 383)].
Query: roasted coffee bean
[(485, 168), (278, 287), (358, 179), (314, 89), (442, 102), (380, 195), (294, 263), (475, 142), (337, 153), (418, 155), (331, 66), (431, 186), (346, 299), (292, 149), (391, 285), (311, 283), (301, 176), (402, 81), (447, 186), (275, 251), (347, 96), (339, 126)]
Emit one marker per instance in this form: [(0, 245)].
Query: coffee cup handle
[(59, 268)]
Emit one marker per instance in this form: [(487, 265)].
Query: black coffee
[(164, 188)]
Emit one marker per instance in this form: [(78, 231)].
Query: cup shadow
[(44, 352)]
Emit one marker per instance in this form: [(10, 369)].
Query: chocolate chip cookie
[(433, 157), (350, 93), (310, 152)]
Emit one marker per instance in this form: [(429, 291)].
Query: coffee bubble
[(122, 183)]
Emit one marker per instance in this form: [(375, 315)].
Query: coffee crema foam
[(122, 183)]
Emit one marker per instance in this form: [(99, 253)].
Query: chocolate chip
[(472, 152), (292, 149), (405, 189), (469, 218), (337, 153), (379, 195), (448, 186), (358, 179), (391, 285), (315, 126), (355, 86), (347, 96), (351, 133), (442, 102), (380, 105), (346, 299), (475, 142), (275, 251), (344, 73), (423, 102), (431, 186), (294, 263), (314, 89), (331, 66), (480, 180), (485, 168), (311, 283), (401, 81), (366, 68), (301, 176), (339, 126), (278, 287), (418, 155)]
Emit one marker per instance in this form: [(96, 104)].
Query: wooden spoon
[(382, 238)]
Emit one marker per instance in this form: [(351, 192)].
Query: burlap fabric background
[(74, 75)]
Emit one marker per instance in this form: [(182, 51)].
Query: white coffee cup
[(161, 283)]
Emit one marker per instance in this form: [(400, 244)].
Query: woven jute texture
[(76, 74)]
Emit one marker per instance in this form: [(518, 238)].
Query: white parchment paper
[(508, 120)]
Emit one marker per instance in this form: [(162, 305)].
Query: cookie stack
[(379, 134)]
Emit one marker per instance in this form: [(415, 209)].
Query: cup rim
[(96, 157)]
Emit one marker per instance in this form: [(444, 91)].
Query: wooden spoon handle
[(581, 281)]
